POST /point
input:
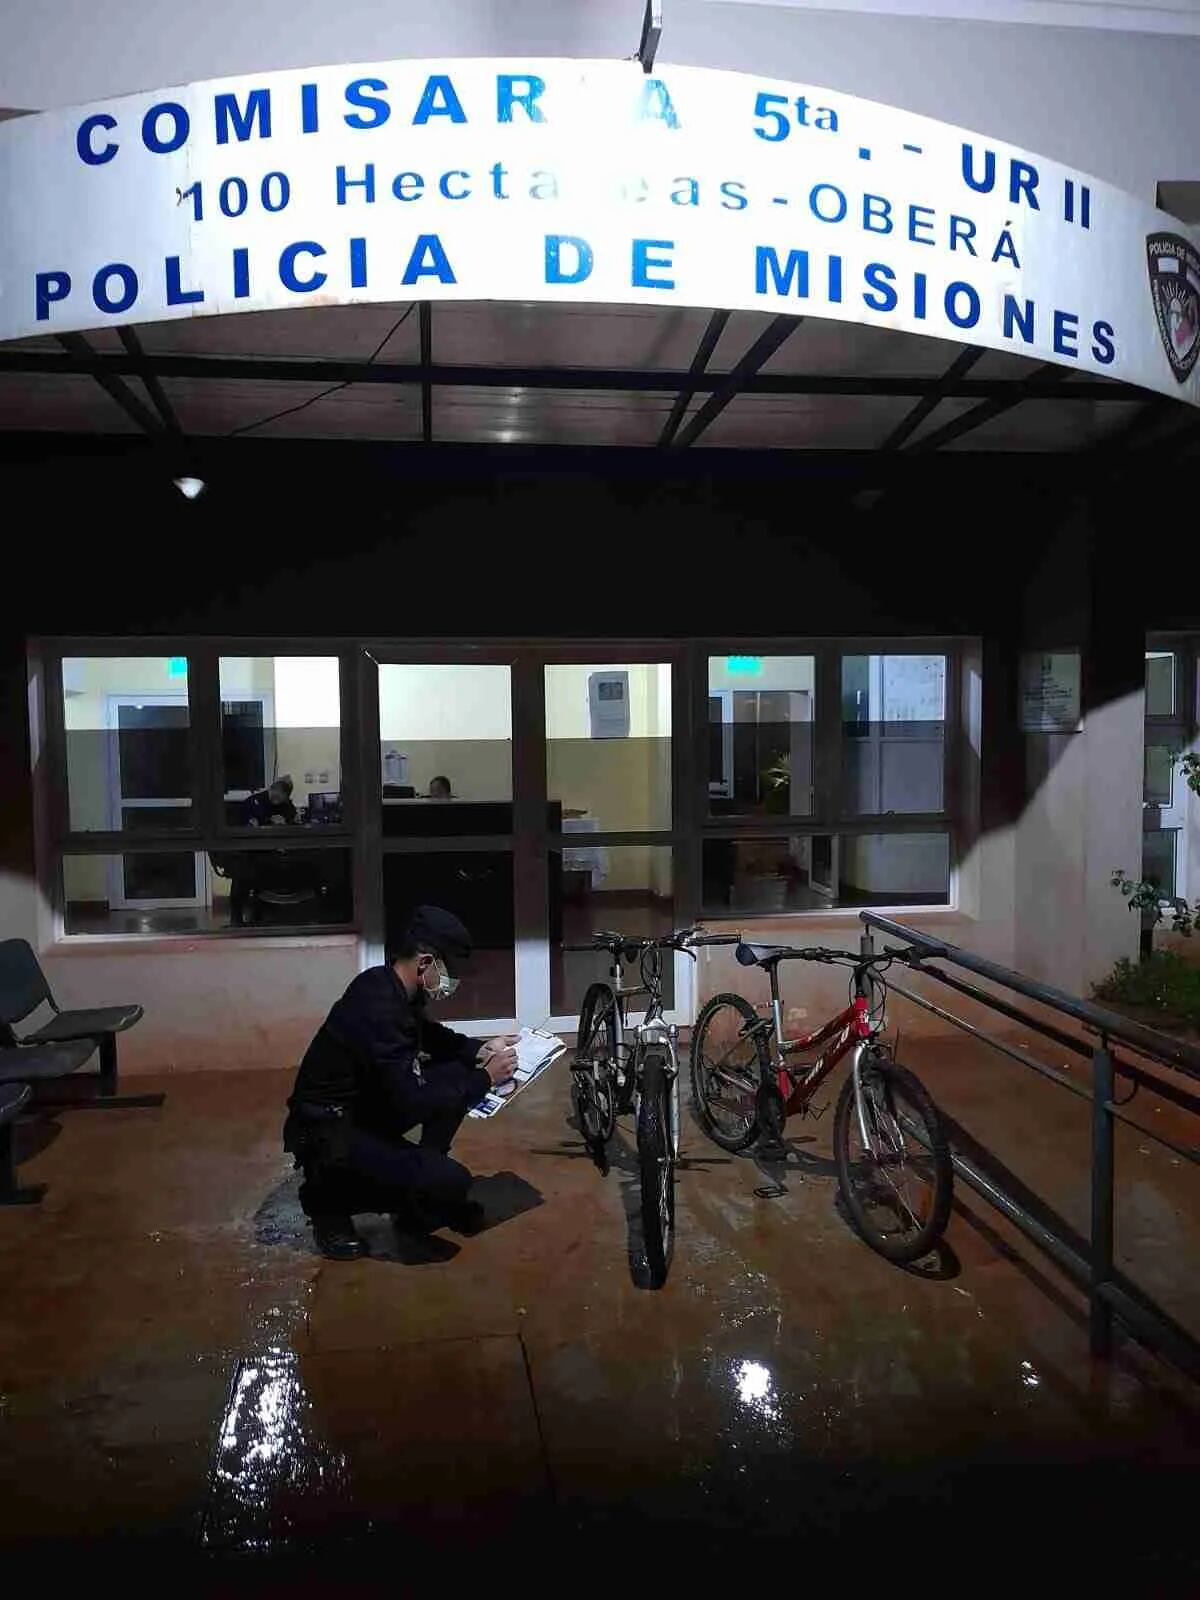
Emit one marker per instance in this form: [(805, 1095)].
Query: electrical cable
[(262, 422)]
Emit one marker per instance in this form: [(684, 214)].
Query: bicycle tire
[(931, 1167), (702, 1099), (598, 1012), (656, 1163)]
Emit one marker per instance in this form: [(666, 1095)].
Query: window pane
[(186, 891), (816, 872), (281, 747), (1158, 859), (128, 742), (893, 724), (1159, 766), (477, 886), (445, 748), (760, 727), (618, 888), (1160, 683), (608, 746), (280, 888)]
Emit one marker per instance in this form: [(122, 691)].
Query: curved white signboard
[(586, 181)]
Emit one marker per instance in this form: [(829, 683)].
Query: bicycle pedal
[(770, 1191)]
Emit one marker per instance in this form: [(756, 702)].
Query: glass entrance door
[(150, 789)]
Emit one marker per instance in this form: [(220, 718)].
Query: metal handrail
[(1149, 1041), (1107, 1295)]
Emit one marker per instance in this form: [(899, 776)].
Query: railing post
[(1099, 1310)]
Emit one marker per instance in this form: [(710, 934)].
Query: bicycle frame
[(653, 1029), (848, 1033)]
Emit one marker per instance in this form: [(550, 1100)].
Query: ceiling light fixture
[(189, 488)]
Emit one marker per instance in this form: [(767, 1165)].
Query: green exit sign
[(749, 666)]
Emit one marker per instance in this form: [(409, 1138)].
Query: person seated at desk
[(378, 1066), (270, 806), (439, 789)]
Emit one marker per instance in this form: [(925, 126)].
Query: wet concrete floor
[(188, 1392)]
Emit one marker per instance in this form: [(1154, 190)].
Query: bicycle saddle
[(760, 955)]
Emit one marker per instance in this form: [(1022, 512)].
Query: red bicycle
[(890, 1147)]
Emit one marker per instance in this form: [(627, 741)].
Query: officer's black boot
[(336, 1237)]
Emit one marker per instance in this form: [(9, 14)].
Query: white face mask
[(444, 986)]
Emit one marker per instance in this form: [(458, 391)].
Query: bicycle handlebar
[(633, 944)]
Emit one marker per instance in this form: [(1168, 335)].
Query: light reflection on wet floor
[(213, 1380)]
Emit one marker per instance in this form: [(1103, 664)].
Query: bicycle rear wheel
[(728, 1063), (593, 1073), (897, 1184), (656, 1160)]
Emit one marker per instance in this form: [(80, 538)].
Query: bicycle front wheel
[(656, 1160), (729, 1062), (897, 1182), (594, 1069)]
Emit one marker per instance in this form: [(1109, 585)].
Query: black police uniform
[(378, 1067)]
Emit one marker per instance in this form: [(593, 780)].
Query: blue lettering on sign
[(766, 262), (1066, 333), (358, 263), (367, 182), (734, 194), (309, 121), (241, 273), (176, 294), (126, 277), (83, 140), (647, 261), (877, 214), (48, 288), (656, 104), (408, 186), (1104, 349), (1022, 177), (287, 267), (1018, 318), (556, 271), (881, 295), (954, 294), (462, 193), (839, 203), (428, 260), (227, 112), (439, 100), (508, 96), (181, 123), (374, 112), (917, 216)]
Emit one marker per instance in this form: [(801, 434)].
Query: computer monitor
[(325, 807)]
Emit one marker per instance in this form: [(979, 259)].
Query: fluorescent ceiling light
[(189, 488)]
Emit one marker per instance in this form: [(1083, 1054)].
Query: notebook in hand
[(536, 1049)]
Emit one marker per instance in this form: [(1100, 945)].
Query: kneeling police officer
[(377, 1068)]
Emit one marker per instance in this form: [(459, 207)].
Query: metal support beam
[(1100, 1310), (116, 389), (651, 33), (716, 326), (768, 341), (1019, 391), (959, 368), (425, 323), (150, 378), (288, 369)]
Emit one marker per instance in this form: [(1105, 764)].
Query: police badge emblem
[(1174, 264)]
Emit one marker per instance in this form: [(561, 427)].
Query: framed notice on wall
[(1050, 697)]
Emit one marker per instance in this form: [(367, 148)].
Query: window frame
[(531, 841)]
